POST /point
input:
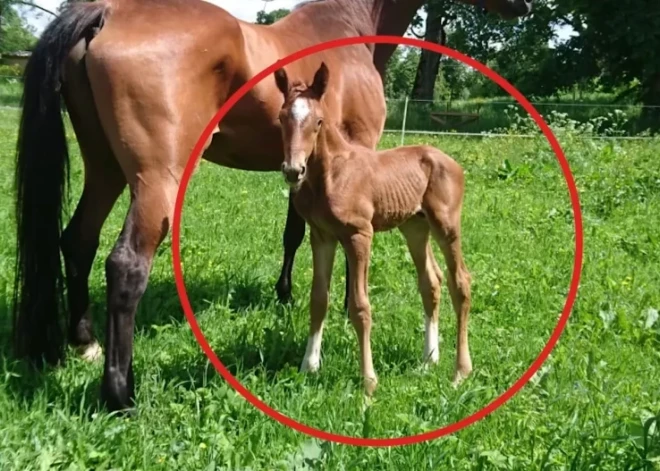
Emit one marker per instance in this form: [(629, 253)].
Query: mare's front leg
[(358, 251), (323, 253)]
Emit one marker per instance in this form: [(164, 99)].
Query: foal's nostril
[(292, 174), (302, 170)]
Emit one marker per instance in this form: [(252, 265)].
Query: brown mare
[(346, 193), (140, 80)]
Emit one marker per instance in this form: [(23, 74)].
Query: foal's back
[(396, 184)]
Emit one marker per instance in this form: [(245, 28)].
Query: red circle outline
[(448, 429)]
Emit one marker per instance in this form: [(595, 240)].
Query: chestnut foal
[(346, 193)]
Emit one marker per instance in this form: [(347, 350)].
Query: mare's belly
[(246, 149)]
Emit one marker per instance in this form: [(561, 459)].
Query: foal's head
[(301, 118)]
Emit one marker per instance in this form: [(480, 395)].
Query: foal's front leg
[(358, 251), (294, 233), (323, 256)]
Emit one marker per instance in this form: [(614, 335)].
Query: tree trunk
[(429, 61), (651, 97)]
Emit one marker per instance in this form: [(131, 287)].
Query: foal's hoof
[(310, 365), (370, 385), (462, 372), (90, 352), (431, 358)]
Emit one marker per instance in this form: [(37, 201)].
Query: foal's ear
[(282, 81), (321, 80)]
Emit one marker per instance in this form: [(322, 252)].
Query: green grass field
[(586, 409)]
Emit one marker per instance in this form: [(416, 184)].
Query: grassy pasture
[(586, 409)]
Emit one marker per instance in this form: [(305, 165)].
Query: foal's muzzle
[(293, 173)]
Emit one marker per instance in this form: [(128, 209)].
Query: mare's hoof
[(284, 295), (119, 401), (90, 352)]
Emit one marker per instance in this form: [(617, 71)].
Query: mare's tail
[(41, 180)]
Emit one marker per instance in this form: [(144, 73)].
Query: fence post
[(405, 117)]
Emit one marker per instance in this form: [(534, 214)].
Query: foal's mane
[(298, 88)]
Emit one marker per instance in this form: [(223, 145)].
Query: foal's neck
[(329, 144)]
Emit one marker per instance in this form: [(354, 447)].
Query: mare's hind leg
[(446, 229), (429, 279), (80, 242), (294, 233), (127, 272), (104, 182)]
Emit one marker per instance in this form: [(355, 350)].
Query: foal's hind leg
[(446, 229), (429, 279)]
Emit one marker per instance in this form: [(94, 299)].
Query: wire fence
[(508, 118), (485, 117)]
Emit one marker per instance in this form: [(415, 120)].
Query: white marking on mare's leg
[(91, 352), (300, 109), (431, 344), (312, 359)]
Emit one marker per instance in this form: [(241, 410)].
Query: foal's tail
[(41, 181)]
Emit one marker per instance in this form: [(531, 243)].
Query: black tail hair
[(41, 185)]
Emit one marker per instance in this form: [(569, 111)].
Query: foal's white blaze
[(312, 359), (300, 109), (431, 347)]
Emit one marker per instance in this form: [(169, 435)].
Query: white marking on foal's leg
[(91, 352), (300, 109), (312, 359), (431, 344)]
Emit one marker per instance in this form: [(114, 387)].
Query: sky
[(243, 9)]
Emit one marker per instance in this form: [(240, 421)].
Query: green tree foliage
[(14, 34), (619, 40), (401, 71), (268, 18)]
